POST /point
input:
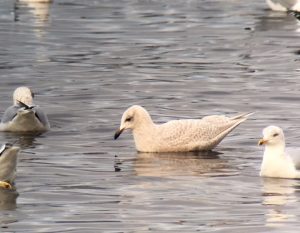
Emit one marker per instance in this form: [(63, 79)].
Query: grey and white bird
[(8, 164), (277, 160), (176, 135), (23, 115)]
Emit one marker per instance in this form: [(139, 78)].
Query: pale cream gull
[(176, 135)]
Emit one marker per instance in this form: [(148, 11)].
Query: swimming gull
[(8, 163), (23, 116), (277, 161), (176, 135)]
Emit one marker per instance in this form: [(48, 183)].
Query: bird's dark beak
[(262, 142), (118, 133)]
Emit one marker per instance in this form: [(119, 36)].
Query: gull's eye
[(275, 134), (129, 119)]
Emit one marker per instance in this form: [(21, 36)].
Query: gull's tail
[(243, 116)]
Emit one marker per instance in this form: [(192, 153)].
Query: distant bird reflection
[(40, 9), (277, 195)]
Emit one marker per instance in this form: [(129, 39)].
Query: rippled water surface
[(87, 61)]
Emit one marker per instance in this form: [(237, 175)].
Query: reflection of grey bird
[(23, 116), (277, 161), (177, 135), (8, 163), (284, 5)]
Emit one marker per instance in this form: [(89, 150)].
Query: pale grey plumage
[(176, 135)]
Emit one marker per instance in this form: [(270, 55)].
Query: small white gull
[(23, 116), (176, 135), (277, 161)]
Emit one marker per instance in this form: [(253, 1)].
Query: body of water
[(87, 61)]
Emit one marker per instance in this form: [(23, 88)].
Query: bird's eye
[(129, 119), (275, 134)]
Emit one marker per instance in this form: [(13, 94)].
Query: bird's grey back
[(10, 113)]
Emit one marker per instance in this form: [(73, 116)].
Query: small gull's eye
[(129, 118), (275, 134)]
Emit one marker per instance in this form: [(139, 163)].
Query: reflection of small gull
[(23, 140), (276, 194), (276, 161), (23, 116), (180, 164), (177, 135)]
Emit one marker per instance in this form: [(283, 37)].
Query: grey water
[(87, 61)]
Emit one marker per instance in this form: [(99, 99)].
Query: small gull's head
[(24, 95), (132, 118), (272, 135)]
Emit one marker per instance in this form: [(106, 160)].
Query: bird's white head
[(272, 135), (133, 118), (24, 95)]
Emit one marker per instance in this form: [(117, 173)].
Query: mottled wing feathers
[(206, 132)]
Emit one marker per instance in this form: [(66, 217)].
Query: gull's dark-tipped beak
[(118, 133), (262, 142)]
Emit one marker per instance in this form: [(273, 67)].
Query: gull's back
[(18, 119)]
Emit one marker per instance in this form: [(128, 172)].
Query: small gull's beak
[(262, 142), (118, 133)]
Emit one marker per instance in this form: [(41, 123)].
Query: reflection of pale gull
[(23, 116), (180, 164), (277, 162), (177, 135), (284, 5)]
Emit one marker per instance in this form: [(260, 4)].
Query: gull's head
[(24, 95), (132, 118), (272, 135)]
